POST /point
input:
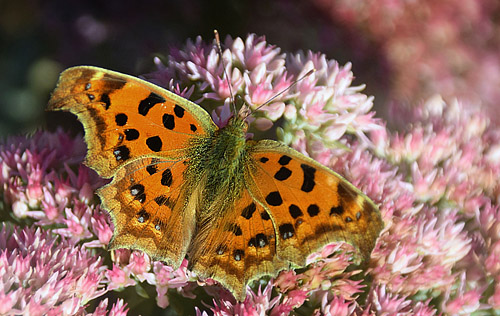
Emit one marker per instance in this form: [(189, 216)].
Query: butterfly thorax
[(218, 164)]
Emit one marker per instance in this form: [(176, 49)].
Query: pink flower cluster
[(318, 109), (56, 266), (42, 276), (434, 182)]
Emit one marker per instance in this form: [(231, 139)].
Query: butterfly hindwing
[(310, 205), (238, 247), (146, 204), (125, 117)]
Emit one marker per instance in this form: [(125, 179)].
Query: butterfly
[(181, 187)]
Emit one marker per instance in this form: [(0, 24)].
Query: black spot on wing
[(149, 102), (336, 210), (274, 199), (294, 211), (137, 191), (154, 143), (159, 225), (313, 210), (248, 211), (235, 229), (260, 241), (163, 200), (284, 160), (179, 111), (308, 181), (121, 153), (238, 254), (166, 177), (283, 174), (168, 121), (131, 134), (286, 231), (121, 119), (152, 169), (105, 99), (142, 216)]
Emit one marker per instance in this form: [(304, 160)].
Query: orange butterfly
[(239, 209)]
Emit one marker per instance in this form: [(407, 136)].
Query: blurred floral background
[(403, 104)]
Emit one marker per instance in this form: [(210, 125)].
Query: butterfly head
[(228, 118), (238, 122)]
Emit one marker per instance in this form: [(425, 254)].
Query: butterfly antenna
[(310, 72), (217, 41)]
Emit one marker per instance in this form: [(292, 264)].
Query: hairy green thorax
[(219, 160)]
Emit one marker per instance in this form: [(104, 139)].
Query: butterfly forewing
[(310, 205), (125, 117)]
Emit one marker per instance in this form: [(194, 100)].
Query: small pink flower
[(423, 309), (8, 300), (101, 227), (118, 309), (118, 278), (166, 278), (139, 266), (286, 280), (295, 298), (494, 300), (336, 306), (465, 304), (385, 303)]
